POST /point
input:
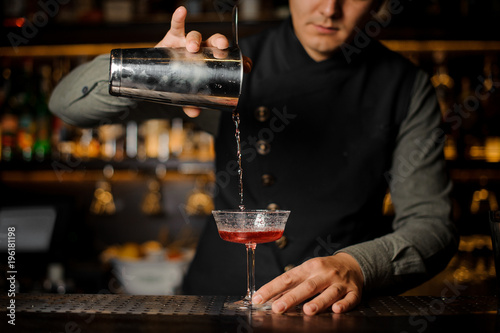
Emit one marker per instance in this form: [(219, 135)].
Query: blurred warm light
[(14, 22), (20, 22), (476, 152), (492, 149), (387, 206), (450, 149)]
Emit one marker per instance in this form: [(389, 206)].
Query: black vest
[(322, 135)]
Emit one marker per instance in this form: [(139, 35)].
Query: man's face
[(323, 25)]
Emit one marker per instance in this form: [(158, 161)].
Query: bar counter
[(78, 313)]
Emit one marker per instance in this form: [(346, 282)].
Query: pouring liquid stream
[(236, 120)]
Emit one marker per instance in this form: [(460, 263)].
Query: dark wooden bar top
[(77, 313)]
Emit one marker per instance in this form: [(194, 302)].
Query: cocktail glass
[(250, 227)]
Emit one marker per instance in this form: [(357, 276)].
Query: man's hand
[(336, 281), (176, 37)]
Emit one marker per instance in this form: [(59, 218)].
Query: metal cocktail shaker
[(210, 78), (175, 76)]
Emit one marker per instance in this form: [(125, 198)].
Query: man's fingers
[(193, 41), (191, 112), (177, 25), (175, 37), (218, 40), (277, 286), (300, 293), (220, 54), (348, 303), (247, 64), (334, 281), (330, 295)]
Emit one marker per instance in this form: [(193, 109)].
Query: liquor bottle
[(27, 98), (157, 139), (27, 126), (4, 92), (177, 137), (55, 138), (490, 96), (131, 139), (9, 124), (443, 83), (470, 140), (109, 135), (490, 102), (55, 281), (42, 144), (95, 145)]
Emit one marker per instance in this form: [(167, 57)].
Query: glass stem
[(250, 271)]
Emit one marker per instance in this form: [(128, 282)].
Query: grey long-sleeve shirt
[(423, 238)]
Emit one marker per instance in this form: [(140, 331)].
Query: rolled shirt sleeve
[(424, 238)]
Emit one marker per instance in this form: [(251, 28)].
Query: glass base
[(245, 304)]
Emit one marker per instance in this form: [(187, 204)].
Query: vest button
[(267, 179), (288, 267), (262, 113), (263, 147), (273, 206), (282, 242)]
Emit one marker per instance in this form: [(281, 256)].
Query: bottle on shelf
[(442, 82), (10, 124), (152, 202), (55, 280), (155, 133), (111, 148), (131, 140), (177, 137), (27, 126), (470, 138), (103, 202), (490, 103), (8, 117), (42, 144)]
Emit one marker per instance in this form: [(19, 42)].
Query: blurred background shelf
[(94, 49)]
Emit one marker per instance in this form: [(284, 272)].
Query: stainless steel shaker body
[(210, 78)]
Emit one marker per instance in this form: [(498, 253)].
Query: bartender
[(330, 119)]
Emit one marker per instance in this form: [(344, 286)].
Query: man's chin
[(328, 49)]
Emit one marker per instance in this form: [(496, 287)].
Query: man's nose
[(330, 8)]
